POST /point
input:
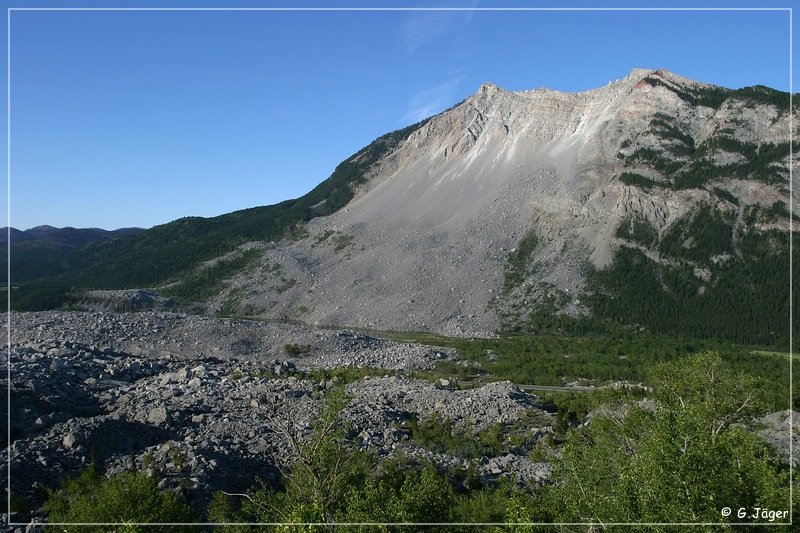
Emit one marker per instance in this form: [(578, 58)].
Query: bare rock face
[(424, 244)]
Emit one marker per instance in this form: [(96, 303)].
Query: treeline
[(637, 180), (760, 164), (517, 268), (703, 234), (637, 229)]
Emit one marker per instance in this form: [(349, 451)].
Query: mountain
[(32, 248), (656, 203), (67, 237), (516, 202)]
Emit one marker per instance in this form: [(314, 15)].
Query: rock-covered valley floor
[(208, 403)]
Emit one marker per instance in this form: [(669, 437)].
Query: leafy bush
[(438, 434), (126, 498), (682, 461), (331, 483), (400, 493), (319, 479)]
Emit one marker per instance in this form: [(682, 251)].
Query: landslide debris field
[(209, 404)]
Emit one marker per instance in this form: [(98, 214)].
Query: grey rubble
[(135, 390)]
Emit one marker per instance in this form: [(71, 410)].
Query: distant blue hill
[(47, 244)]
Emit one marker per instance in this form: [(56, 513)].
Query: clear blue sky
[(138, 118)]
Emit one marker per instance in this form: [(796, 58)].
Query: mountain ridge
[(47, 231), (431, 221), (542, 163)]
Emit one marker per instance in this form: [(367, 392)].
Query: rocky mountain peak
[(637, 73), (489, 88), (439, 217)]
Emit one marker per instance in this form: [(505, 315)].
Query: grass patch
[(784, 355), (322, 237)]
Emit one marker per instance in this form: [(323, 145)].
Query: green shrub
[(126, 498), (294, 349), (680, 462), (438, 434)]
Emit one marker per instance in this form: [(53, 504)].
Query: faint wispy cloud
[(423, 28), (433, 100)]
